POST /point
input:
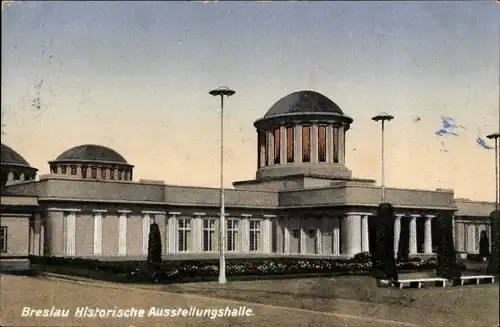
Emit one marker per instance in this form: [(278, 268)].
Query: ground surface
[(342, 301)]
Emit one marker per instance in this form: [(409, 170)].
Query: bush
[(154, 259), (192, 270)]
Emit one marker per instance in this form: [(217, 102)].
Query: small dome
[(303, 102), (11, 157), (91, 152)]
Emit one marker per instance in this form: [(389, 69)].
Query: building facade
[(303, 201)]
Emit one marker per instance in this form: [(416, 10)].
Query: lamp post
[(222, 91), (383, 117), (493, 265)]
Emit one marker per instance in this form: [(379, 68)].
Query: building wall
[(18, 233)]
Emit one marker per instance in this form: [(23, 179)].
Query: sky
[(135, 76)]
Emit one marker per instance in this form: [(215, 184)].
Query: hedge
[(191, 270)]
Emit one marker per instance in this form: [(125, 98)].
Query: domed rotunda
[(14, 167), (90, 161), (303, 133)]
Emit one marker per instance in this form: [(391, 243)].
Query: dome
[(11, 157), (91, 152), (303, 102)]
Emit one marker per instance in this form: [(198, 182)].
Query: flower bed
[(190, 270)]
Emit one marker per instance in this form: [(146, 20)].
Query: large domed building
[(93, 162), (303, 201)]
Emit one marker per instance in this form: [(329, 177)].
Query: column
[(351, 234), (413, 234), (471, 238), (303, 237), (70, 225), (459, 237), (428, 234), (314, 142), (146, 222), (98, 232), (245, 234), (197, 233), (122, 232), (329, 140), (397, 233), (341, 145), (298, 143), (319, 237), (172, 232), (266, 235), (286, 236), (336, 237), (365, 245), (283, 145)]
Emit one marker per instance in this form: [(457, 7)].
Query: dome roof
[(11, 157), (91, 152), (303, 102)]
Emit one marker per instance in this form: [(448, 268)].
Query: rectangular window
[(84, 172), (290, 150), (322, 143), (112, 174), (335, 145), (53, 170), (254, 235), (3, 239), (63, 169), (233, 226), (277, 146), (184, 234), (73, 170), (120, 174), (93, 172), (306, 143), (266, 148), (311, 233), (295, 233), (209, 236), (103, 173)]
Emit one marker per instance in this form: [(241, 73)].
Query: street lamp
[(222, 91), (493, 266), (383, 117)]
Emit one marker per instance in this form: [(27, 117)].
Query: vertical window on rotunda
[(277, 145), (103, 173), (73, 170), (261, 145), (322, 143), (266, 148), (93, 172), (335, 145), (112, 173), (306, 143), (290, 151), (63, 169), (84, 172), (53, 169)]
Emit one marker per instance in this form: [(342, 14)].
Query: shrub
[(154, 259)]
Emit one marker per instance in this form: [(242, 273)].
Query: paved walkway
[(18, 292)]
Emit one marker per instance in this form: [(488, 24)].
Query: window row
[(210, 236), (119, 174), (264, 144), (3, 239)]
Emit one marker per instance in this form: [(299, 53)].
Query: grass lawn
[(359, 295)]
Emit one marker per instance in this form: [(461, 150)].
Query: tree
[(493, 265), (154, 259), (383, 259), (447, 266)]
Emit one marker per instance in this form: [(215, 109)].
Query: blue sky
[(135, 76)]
